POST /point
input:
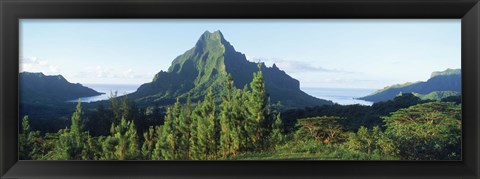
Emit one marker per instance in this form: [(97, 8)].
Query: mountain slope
[(437, 95), (443, 83), (207, 64), (40, 88)]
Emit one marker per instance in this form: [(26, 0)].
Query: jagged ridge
[(207, 64)]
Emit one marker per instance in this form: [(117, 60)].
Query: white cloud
[(35, 64), (109, 73), (291, 66), (129, 74)]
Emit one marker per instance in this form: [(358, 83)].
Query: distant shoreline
[(342, 96), (106, 89)]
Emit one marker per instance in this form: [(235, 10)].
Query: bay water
[(121, 90), (342, 96)]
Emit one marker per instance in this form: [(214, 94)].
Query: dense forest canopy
[(245, 126)]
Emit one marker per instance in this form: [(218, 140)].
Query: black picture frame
[(13, 10)]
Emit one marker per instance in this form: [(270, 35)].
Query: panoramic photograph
[(218, 89)]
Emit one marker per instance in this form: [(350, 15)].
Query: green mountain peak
[(207, 56), (212, 42), (216, 35), (208, 64)]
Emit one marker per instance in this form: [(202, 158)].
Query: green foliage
[(149, 143), (326, 129), (168, 148), (243, 126), (229, 143), (99, 120), (184, 131), (125, 107), (195, 150), (353, 116), (257, 108), (93, 149), (71, 140), (241, 114), (371, 142), (160, 144), (206, 128), (123, 142), (114, 104), (177, 116), (76, 117), (430, 131), (29, 145), (437, 95), (277, 136), (310, 150)]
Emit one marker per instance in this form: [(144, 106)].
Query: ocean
[(121, 89), (342, 96)]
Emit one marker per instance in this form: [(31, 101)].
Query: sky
[(320, 53)]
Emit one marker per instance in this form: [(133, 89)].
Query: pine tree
[(160, 144), (132, 151), (119, 134), (184, 128), (109, 145), (258, 110), (178, 116), (246, 125), (238, 122), (70, 144), (228, 129), (125, 107), (168, 149), (206, 128), (114, 104), (150, 139), (195, 151), (62, 150), (123, 143), (92, 150), (276, 136), (181, 139), (28, 141), (75, 127), (24, 144)]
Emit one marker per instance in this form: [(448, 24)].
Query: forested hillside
[(243, 126), (44, 98), (440, 85), (37, 88)]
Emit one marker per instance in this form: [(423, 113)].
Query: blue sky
[(319, 53)]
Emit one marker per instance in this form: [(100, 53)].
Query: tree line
[(242, 122), (425, 131)]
